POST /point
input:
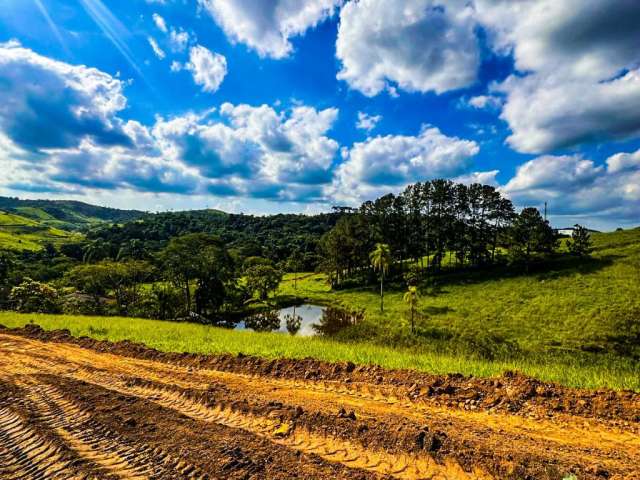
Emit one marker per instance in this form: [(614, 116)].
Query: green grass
[(185, 337), (20, 233), (563, 307)]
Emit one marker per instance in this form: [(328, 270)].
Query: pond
[(303, 320)]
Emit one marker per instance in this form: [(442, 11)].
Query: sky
[(268, 106)]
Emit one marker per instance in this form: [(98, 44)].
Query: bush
[(76, 303), (34, 297)]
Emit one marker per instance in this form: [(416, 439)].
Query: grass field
[(20, 233), (568, 306), (185, 337)]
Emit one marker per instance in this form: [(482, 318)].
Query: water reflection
[(303, 320)]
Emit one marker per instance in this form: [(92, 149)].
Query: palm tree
[(411, 298), (380, 259)]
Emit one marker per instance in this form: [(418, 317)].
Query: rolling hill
[(30, 224), (66, 215)]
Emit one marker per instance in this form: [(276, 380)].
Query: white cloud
[(156, 48), (574, 186), (572, 38), (266, 26), (367, 122), (178, 40), (546, 112), (418, 45), (624, 162), (581, 60), (388, 163), (208, 68), (488, 102), (38, 93), (484, 178), (160, 23)]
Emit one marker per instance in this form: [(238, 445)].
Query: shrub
[(34, 297)]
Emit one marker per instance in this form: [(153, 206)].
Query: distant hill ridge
[(66, 214)]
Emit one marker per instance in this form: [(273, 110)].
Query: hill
[(565, 311), (65, 214), (19, 233)]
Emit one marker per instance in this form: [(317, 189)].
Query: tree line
[(430, 225)]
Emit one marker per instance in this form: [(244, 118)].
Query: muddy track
[(74, 408)]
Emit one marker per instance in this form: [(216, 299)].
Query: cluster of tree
[(280, 238), (194, 275), (428, 223)]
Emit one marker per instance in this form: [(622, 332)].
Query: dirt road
[(79, 408)]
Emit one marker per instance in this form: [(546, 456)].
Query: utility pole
[(545, 211)]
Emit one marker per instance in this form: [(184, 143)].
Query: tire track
[(96, 444), (24, 454), (257, 405), (331, 449)]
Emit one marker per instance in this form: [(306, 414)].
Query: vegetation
[(442, 270), (580, 242), (568, 308), (189, 337), (380, 261), (65, 214)]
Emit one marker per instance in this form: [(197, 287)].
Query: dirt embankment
[(81, 408)]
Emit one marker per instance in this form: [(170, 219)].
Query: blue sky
[(265, 106)]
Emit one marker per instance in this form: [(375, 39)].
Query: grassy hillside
[(565, 308), (66, 214), (20, 233)]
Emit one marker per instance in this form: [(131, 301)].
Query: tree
[(380, 259), (95, 251), (201, 261), (580, 242), (34, 297), (294, 264), (411, 298), (7, 263), (531, 234), (122, 279), (263, 279)]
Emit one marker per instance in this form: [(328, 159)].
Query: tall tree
[(380, 259), (201, 261)]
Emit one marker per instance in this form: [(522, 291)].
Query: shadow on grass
[(548, 269), (432, 310)]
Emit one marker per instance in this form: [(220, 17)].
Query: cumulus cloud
[(623, 162), (236, 150), (387, 163), (546, 113), (577, 38), (266, 26), (208, 68), (484, 178), (580, 63), (38, 93), (263, 152), (416, 45), (367, 122), (576, 186)]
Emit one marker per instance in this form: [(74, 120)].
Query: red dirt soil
[(82, 408)]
